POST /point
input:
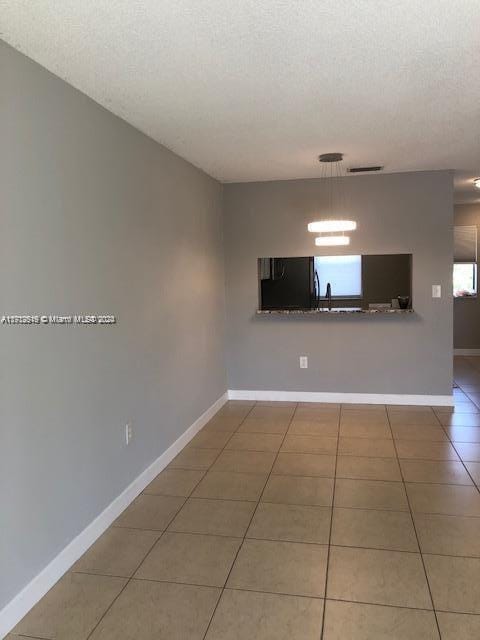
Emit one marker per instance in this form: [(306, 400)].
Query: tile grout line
[(160, 531), (222, 589), (474, 484), (295, 541), (292, 595), (259, 501), (131, 577), (288, 540), (249, 523), (452, 442), (322, 631), (319, 506), (157, 540), (416, 532), (330, 455), (326, 453)]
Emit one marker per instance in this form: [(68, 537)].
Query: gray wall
[(396, 213), (466, 316), (95, 218)]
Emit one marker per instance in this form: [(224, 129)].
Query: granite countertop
[(335, 310)]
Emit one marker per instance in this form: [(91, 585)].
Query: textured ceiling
[(251, 90)]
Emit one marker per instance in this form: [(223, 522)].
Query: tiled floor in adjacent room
[(235, 540)]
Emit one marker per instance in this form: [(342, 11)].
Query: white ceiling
[(255, 90)]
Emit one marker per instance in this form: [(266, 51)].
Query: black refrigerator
[(286, 283)]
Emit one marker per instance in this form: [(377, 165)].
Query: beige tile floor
[(294, 522)]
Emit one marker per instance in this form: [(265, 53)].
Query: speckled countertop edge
[(319, 312)]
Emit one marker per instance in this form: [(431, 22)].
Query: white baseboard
[(16, 609), (344, 398), (466, 352)]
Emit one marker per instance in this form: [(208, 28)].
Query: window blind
[(465, 244)]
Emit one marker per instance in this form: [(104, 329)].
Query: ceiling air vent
[(364, 169)]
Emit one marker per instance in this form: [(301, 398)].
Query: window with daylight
[(464, 279), (465, 262), (344, 274)]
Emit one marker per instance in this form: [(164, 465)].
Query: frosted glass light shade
[(328, 226), (332, 241)]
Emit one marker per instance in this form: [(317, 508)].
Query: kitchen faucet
[(328, 295)]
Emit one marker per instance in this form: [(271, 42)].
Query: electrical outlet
[(128, 432), (436, 291), (303, 362)]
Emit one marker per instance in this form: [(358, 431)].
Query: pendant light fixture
[(332, 171), (329, 226), (332, 241)]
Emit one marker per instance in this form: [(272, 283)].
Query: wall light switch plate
[(436, 291), (128, 433), (303, 362)]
